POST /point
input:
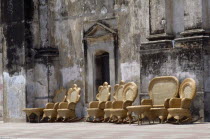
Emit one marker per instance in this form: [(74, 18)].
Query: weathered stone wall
[(14, 75), (170, 35), (65, 23), (1, 68), (181, 52)]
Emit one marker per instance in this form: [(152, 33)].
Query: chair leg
[(88, 119), (120, 120), (168, 118), (138, 119), (94, 119)]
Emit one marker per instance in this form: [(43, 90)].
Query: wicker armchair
[(117, 96), (50, 110), (66, 110), (119, 110), (96, 108), (179, 108), (160, 89)]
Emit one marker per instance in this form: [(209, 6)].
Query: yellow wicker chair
[(117, 96), (96, 108), (66, 110), (119, 110), (50, 110), (160, 89), (179, 108)]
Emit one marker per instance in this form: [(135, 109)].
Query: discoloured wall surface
[(1, 73), (169, 34), (14, 77)]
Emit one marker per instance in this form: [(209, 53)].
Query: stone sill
[(185, 42), (194, 32), (163, 36)]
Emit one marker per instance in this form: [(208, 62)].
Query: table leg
[(28, 117), (129, 117), (138, 119), (38, 115)]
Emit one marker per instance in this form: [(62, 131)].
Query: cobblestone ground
[(86, 130)]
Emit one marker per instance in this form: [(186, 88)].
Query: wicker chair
[(50, 110), (179, 108), (66, 110), (117, 96), (119, 110), (160, 89), (96, 108)]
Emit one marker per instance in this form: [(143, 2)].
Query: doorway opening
[(102, 73)]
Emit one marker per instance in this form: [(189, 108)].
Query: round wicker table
[(138, 110), (37, 111)]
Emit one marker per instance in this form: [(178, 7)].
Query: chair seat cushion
[(176, 109), (49, 110), (62, 110), (107, 110)]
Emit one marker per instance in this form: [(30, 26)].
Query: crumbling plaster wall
[(14, 75), (182, 51), (68, 20), (62, 23), (1, 68)]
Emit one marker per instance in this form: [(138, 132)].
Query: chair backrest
[(73, 94), (118, 91), (161, 88), (59, 95), (187, 89), (104, 92), (130, 91)]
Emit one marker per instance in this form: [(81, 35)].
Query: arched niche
[(100, 43)]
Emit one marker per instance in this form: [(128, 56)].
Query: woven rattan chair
[(119, 110), (96, 108), (179, 108), (117, 96), (50, 110), (66, 110), (160, 89)]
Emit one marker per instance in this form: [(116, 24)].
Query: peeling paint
[(130, 71), (71, 74), (15, 88)]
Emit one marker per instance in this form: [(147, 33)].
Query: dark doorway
[(101, 69)]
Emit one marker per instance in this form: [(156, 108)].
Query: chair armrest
[(166, 103), (117, 104), (108, 104), (127, 103), (93, 104), (146, 102), (101, 105), (63, 105), (56, 106), (72, 106), (186, 103), (175, 103), (49, 106)]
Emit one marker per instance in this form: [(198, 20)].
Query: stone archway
[(99, 40)]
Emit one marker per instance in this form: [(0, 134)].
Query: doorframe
[(99, 37)]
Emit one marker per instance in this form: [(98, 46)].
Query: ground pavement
[(87, 130)]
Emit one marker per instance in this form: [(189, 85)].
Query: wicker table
[(37, 111), (138, 110)]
